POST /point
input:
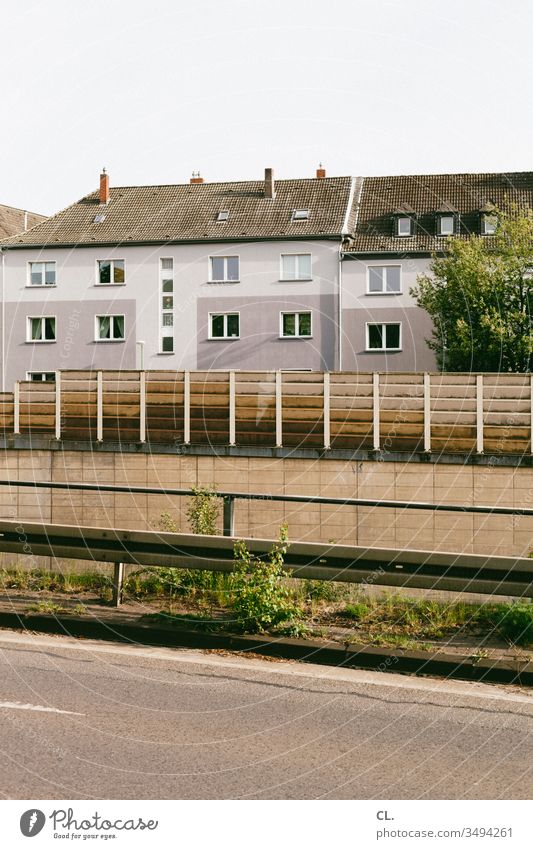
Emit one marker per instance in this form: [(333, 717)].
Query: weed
[(261, 597), (46, 607), (357, 611), (513, 621)]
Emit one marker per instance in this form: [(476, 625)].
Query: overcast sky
[(154, 90)]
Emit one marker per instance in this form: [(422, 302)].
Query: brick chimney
[(270, 186), (196, 179), (320, 172), (104, 187)]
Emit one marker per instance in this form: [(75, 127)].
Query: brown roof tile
[(189, 213), (468, 194), (12, 220)]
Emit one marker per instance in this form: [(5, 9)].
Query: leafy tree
[(479, 296)]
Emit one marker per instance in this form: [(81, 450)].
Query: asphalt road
[(83, 719)]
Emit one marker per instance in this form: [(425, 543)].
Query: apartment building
[(401, 222), (201, 275), (307, 274)]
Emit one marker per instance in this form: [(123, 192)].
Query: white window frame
[(166, 274), (296, 313), (284, 279), (224, 257), (385, 266), (410, 222), (442, 216), (369, 324), (41, 318), (42, 378), (301, 214), (97, 337), (224, 338), (112, 261), (42, 285), (485, 217)]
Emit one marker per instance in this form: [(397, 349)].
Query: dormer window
[(404, 225), (446, 225), (489, 223), (300, 215), (223, 215), (404, 220)]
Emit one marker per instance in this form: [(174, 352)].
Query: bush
[(261, 597), (357, 611), (514, 622)]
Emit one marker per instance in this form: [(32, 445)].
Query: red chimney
[(104, 187), (320, 172), (196, 179)]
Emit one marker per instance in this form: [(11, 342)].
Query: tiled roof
[(187, 212), (12, 220), (468, 194)]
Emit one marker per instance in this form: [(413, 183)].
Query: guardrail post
[(229, 516), (232, 408), (142, 403), (118, 584), (279, 412), (187, 408), (58, 405), (479, 414), (427, 412), (327, 427), (99, 407), (375, 409), (16, 407)]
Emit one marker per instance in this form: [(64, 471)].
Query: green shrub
[(514, 621), (357, 611), (261, 596)]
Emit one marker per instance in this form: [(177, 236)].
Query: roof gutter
[(147, 243)]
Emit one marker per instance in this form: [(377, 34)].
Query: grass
[(205, 598), (397, 616)]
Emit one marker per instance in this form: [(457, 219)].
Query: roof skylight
[(300, 215), (223, 215), (99, 219)]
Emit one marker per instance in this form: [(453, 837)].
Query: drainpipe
[(3, 321), (340, 309)]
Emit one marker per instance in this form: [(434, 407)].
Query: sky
[(156, 90)]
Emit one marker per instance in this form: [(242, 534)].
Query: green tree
[(479, 296)]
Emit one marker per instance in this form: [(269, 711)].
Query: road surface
[(88, 719)]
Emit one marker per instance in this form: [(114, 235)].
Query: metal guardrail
[(320, 561), (229, 499)]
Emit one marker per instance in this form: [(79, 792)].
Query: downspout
[(340, 308), (345, 232), (3, 321)]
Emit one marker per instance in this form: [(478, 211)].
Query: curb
[(354, 656)]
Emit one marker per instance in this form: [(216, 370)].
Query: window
[(110, 328), (223, 215), (295, 325), (224, 325), (42, 329), (166, 329), (41, 376), (42, 273), (446, 225), (295, 266), (111, 271), (224, 269), (384, 280), (300, 215), (404, 225), (99, 218), (383, 337), (489, 224)]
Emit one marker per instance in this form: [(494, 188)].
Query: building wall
[(76, 299), (359, 307), (443, 483)]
